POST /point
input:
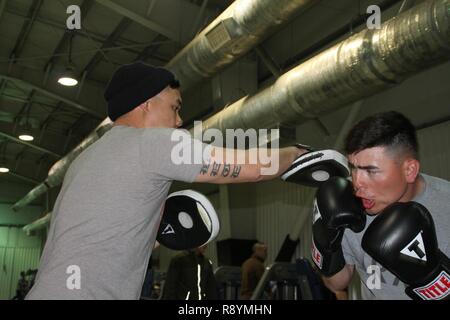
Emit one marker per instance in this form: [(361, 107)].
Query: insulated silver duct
[(58, 170), (358, 67), (40, 223), (238, 29), (33, 194)]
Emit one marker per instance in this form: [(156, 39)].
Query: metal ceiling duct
[(40, 223), (358, 67), (58, 170), (238, 29), (33, 194)]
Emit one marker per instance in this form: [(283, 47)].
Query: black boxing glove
[(403, 240), (335, 208)]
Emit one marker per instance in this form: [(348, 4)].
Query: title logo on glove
[(438, 289)]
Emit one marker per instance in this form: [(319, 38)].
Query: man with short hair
[(109, 208), (383, 155), (253, 269)]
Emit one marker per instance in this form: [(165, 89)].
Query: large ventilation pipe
[(39, 224), (58, 170), (244, 24), (358, 67), (238, 29)]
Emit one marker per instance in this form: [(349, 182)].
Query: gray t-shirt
[(435, 198), (108, 212)]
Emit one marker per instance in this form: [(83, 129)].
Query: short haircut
[(258, 245), (387, 129)]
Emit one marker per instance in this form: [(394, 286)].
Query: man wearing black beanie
[(109, 208)]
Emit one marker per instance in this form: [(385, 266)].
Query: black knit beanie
[(133, 84)]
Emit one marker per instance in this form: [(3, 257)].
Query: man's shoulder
[(436, 201), (436, 197), (437, 184), (249, 262), (166, 132)]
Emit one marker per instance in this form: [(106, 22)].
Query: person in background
[(190, 277), (252, 270)]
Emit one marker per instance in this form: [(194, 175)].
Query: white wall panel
[(17, 253), (278, 207)]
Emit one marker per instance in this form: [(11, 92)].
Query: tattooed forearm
[(216, 169)]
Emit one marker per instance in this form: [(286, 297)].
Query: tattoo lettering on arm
[(205, 168), (216, 170), (236, 171), (226, 170)]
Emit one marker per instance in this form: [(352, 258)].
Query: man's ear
[(411, 169)]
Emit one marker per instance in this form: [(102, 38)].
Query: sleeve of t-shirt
[(349, 256), (173, 154)]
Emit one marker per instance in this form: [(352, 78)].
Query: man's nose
[(179, 122), (357, 179)]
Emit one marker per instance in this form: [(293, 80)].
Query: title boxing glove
[(403, 240), (335, 208)]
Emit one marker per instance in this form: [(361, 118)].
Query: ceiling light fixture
[(3, 167), (25, 132), (69, 78), (26, 137)]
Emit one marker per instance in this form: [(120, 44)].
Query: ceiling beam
[(150, 50), (45, 122), (139, 19), (123, 44), (23, 178), (2, 7), (112, 38), (30, 145), (85, 7), (12, 97), (55, 96), (26, 28), (197, 23), (25, 107)]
